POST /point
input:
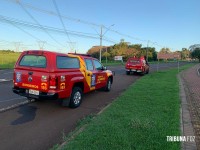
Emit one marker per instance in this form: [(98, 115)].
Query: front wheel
[(127, 72), (108, 85), (76, 97), (147, 72)]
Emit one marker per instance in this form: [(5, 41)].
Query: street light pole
[(106, 55), (101, 37), (147, 50)]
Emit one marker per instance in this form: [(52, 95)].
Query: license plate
[(133, 70), (34, 92)]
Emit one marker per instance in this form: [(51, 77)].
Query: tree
[(192, 47), (124, 49), (196, 53), (185, 53), (106, 55), (152, 54), (165, 51)]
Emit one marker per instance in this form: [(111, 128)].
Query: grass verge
[(140, 118), (8, 59), (112, 63)]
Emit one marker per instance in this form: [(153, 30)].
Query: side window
[(65, 62), (89, 64), (97, 65)]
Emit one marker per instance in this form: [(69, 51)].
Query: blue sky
[(165, 23)]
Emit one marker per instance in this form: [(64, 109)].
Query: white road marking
[(7, 72), (13, 99), (3, 80)]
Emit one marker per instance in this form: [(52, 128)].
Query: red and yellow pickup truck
[(137, 65), (40, 74)]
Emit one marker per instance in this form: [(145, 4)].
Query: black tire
[(143, 73), (127, 72), (108, 85), (147, 72), (76, 97)]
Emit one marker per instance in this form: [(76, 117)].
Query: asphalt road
[(40, 125), (7, 97)]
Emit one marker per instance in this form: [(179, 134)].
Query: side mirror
[(104, 68)]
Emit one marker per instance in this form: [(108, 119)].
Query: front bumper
[(42, 95)]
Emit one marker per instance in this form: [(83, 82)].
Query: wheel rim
[(77, 98)]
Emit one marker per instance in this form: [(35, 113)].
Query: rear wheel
[(143, 72), (76, 97), (147, 72), (127, 72)]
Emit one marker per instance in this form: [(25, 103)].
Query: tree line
[(7, 51), (124, 49), (127, 50)]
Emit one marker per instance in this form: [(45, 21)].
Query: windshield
[(33, 61)]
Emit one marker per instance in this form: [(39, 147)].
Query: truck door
[(90, 74), (101, 78)]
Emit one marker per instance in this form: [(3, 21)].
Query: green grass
[(112, 63), (115, 63), (8, 59), (141, 118)]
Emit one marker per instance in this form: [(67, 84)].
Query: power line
[(31, 16), (76, 20), (56, 7), (50, 29), (55, 14), (28, 5), (18, 23), (31, 35)]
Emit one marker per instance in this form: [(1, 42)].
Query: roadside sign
[(118, 58)]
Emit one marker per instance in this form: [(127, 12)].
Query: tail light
[(14, 77), (52, 82)]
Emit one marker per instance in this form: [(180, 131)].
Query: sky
[(69, 25)]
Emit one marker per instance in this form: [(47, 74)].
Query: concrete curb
[(185, 119)]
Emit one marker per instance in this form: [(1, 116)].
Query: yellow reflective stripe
[(85, 73)]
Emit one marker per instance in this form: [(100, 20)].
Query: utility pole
[(100, 43), (72, 45), (106, 54), (17, 45), (41, 44), (147, 50), (101, 37)]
